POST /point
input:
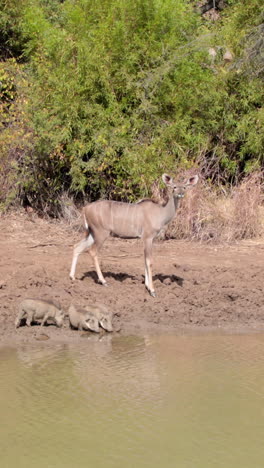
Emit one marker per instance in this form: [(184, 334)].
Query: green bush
[(114, 93)]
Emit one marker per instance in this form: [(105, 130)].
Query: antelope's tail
[(86, 225)]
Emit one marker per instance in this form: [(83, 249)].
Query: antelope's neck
[(169, 209)]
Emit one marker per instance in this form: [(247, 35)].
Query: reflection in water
[(165, 401)]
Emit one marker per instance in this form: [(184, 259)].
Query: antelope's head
[(179, 190)]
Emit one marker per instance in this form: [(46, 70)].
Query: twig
[(43, 245)]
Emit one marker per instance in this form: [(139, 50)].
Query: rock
[(42, 337), (167, 281)]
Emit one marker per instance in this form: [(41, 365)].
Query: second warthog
[(39, 310), (83, 319), (103, 315)]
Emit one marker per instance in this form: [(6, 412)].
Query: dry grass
[(207, 214), (70, 213)]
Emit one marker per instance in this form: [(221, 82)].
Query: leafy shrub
[(112, 93)]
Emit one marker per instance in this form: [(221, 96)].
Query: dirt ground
[(198, 286)]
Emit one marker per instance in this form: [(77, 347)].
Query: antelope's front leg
[(148, 267)]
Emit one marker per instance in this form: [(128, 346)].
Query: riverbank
[(199, 287)]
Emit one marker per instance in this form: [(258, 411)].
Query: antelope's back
[(120, 219)]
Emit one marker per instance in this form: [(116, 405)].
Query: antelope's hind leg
[(80, 247)]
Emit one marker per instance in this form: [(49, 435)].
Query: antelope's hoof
[(103, 283), (152, 293), (72, 278)]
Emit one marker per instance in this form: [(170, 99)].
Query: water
[(134, 402)]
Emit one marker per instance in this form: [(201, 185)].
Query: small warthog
[(103, 315), (36, 310), (82, 319)]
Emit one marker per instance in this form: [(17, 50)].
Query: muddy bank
[(199, 287)]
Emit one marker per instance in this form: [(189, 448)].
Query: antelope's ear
[(192, 181), (167, 179)]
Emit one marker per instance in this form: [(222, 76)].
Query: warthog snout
[(106, 324), (92, 324), (59, 320)]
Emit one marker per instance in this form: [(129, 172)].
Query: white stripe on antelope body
[(144, 220)]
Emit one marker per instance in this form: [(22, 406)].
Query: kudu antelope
[(144, 219)]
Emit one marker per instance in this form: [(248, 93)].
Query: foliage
[(113, 93), (15, 134), (11, 37)]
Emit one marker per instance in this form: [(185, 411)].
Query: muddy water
[(166, 401)]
